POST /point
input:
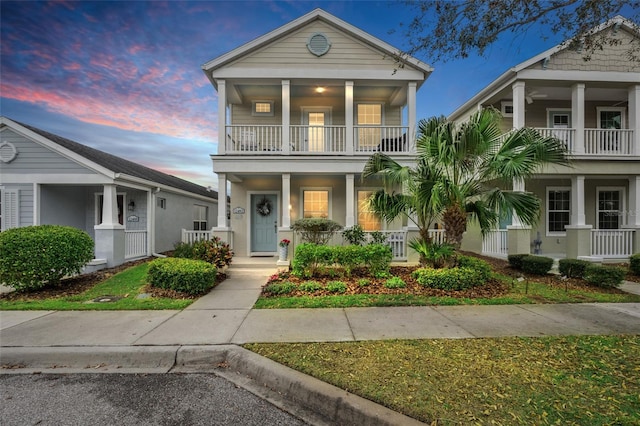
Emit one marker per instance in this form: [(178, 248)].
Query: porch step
[(254, 262)]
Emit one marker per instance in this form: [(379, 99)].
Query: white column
[(518, 104), (350, 218), (411, 115), (110, 208), (286, 201), (577, 201), (577, 117), (634, 118), (348, 116), (286, 116), (518, 186), (633, 218), (151, 221), (222, 201), (222, 117), (36, 204)]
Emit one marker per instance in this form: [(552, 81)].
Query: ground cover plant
[(506, 381)]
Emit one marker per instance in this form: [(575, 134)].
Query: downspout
[(152, 223)]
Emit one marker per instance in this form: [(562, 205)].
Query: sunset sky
[(124, 77)]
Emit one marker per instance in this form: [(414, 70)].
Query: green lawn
[(586, 380), (127, 284)]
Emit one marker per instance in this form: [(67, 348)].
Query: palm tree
[(458, 172)]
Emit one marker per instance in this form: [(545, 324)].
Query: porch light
[(320, 89), (131, 207)]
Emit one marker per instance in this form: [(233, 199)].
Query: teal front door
[(264, 223)]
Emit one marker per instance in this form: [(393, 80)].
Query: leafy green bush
[(538, 265), (354, 235), (214, 251), (395, 282), (604, 276), (309, 258), (310, 286), (478, 265), (336, 287), (35, 256), (316, 230), (280, 288), (189, 276), (634, 264), (363, 282), (515, 260), (378, 237), (449, 278), (572, 268), (433, 254)]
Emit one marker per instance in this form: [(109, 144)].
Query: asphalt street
[(132, 399)]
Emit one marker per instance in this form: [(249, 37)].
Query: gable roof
[(316, 14), (115, 164)]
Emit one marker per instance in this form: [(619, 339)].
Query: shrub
[(449, 278), (515, 260), (395, 282), (316, 230), (572, 268), (634, 264), (378, 237), (604, 276), (34, 256), (354, 235), (309, 258), (184, 275), (378, 258), (363, 282), (478, 265), (431, 253), (349, 257), (280, 288), (214, 251), (310, 286), (336, 287), (538, 265)]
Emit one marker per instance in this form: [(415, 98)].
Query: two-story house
[(591, 209), (300, 110)]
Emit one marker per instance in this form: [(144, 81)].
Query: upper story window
[(506, 108), (369, 115), (262, 108)]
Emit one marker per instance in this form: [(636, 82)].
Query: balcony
[(597, 142), (317, 140)]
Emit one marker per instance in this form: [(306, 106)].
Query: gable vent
[(318, 44)]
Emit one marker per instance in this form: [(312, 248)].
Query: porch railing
[(612, 243), (318, 139), (608, 141), (437, 236), (565, 135), (135, 244), (496, 243), (254, 138), (369, 139), (397, 240), (191, 237)]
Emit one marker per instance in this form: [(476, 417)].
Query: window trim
[(255, 113), (383, 223), (503, 105), (623, 115), (317, 188), (547, 211), (623, 204), (356, 105), (161, 202), (559, 110)]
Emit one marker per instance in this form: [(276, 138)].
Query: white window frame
[(560, 110), (623, 204), (206, 218), (623, 115), (503, 108), (383, 223), (161, 203), (548, 190), (255, 113), (382, 113), (317, 188)]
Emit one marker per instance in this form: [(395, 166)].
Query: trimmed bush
[(316, 230), (538, 265), (449, 278), (310, 286), (354, 235), (214, 251), (604, 276), (189, 276), (395, 282), (572, 268), (336, 287), (634, 264), (478, 265), (35, 256), (515, 260), (280, 288), (309, 258)]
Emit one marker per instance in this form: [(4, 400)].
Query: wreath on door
[(264, 207)]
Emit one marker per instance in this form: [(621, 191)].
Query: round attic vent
[(8, 152), (318, 44)]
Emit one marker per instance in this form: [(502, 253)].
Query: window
[(264, 108), (610, 207), (369, 115), (506, 108), (558, 210), (162, 203), (366, 218), (199, 218), (610, 117), (315, 203)]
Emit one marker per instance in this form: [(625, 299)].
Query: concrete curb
[(310, 399)]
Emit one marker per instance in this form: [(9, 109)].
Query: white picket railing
[(135, 244), (397, 240), (438, 236), (318, 139), (612, 243), (565, 135), (608, 141), (368, 139), (495, 243), (191, 237), (253, 138)]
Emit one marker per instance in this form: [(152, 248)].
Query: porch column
[(109, 234), (286, 116), (350, 218), (633, 218), (286, 200), (411, 115), (578, 234), (222, 202), (222, 117), (518, 235), (348, 116), (518, 104), (634, 118), (577, 117)]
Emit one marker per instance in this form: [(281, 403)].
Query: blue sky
[(125, 77)]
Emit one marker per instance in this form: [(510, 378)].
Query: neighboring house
[(300, 110), (592, 208), (129, 210)]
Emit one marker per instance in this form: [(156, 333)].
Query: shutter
[(10, 208)]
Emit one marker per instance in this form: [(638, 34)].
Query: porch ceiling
[(560, 91)]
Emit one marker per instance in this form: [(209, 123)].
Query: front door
[(264, 223)]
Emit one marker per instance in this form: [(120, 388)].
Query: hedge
[(604, 276), (309, 258), (460, 278), (189, 276), (478, 265), (572, 268), (35, 256), (538, 265), (634, 264), (515, 260)]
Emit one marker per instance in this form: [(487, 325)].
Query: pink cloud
[(74, 66)]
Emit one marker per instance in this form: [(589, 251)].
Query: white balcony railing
[(135, 244), (496, 243), (191, 237), (565, 135), (438, 236), (608, 141), (369, 139), (250, 139), (612, 243), (318, 139)]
